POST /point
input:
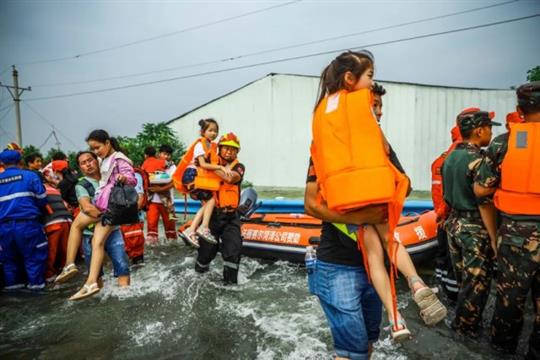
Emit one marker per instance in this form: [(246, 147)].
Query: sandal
[(68, 272), (399, 334), (207, 236), (86, 291), (190, 237), (432, 310)]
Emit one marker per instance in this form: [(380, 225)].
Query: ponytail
[(332, 77)]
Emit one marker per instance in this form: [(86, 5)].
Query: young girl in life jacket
[(343, 74), (204, 152), (114, 167)]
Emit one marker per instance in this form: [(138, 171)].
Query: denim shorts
[(115, 248), (351, 305)]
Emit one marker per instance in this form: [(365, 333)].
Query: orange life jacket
[(441, 208), (519, 189), (205, 180), (352, 165), (228, 195)]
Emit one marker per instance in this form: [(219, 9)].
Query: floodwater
[(171, 312)]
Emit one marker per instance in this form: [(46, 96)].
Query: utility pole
[(16, 94)]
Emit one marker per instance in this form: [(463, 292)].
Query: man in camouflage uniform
[(468, 239), (518, 257)]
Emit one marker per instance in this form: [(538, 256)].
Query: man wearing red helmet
[(225, 222)]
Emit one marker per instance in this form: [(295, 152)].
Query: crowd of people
[(53, 215), (487, 203)]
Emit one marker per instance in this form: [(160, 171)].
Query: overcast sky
[(33, 32)]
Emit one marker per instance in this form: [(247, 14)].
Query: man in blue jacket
[(23, 245)]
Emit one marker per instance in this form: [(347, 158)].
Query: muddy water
[(171, 312)]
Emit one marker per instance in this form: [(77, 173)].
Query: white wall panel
[(272, 117)]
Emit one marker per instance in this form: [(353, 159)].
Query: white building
[(272, 118)]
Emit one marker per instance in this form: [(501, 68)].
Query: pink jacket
[(121, 165)]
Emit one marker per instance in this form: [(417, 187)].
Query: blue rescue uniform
[(23, 245)]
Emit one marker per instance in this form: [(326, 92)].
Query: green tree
[(30, 149), (151, 135), (533, 74), (50, 154)]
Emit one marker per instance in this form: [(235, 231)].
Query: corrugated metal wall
[(272, 117)]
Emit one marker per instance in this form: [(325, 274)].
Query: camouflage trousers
[(518, 272), (471, 256)]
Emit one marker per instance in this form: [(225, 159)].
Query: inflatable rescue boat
[(285, 236)]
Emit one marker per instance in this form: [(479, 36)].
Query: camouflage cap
[(476, 119)]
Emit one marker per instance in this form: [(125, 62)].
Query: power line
[(47, 139), (9, 107), (278, 48), (157, 37), (283, 59), (7, 132), (50, 124)]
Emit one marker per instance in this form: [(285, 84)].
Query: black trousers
[(444, 270), (226, 229)]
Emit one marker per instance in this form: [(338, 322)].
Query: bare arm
[(232, 177), (160, 188), (207, 166), (88, 208), (481, 191), (368, 215)]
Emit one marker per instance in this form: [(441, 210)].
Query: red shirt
[(153, 164)]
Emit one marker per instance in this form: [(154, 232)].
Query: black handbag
[(122, 207)]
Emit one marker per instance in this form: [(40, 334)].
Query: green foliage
[(71, 157), (151, 135), (533, 74), (30, 149), (246, 184)]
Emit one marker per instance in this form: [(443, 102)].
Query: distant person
[(225, 220), (160, 190), (134, 233), (23, 245), (57, 222), (34, 161), (59, 155), (165, 153)]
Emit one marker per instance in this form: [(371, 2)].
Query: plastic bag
[(122, 207)]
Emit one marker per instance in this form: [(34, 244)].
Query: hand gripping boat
[(286, 236)]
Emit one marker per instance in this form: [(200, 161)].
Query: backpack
[(67, 187), (146, 184)]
